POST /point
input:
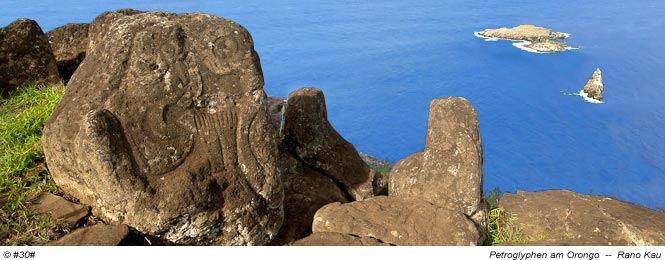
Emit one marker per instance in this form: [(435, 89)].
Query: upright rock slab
[(25, 57), (69, 43), (164, 128), (449, 172), (594, 86), (559, 215), (309, 135)]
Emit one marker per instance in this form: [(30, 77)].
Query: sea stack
[(594, 87)]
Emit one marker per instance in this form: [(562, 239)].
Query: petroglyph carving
[(167, 123)]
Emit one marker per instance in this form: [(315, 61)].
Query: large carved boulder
[(449, 172), (69, 43), (310, 136), (25, 57), (164, 128), (397, 221), (565, 217)]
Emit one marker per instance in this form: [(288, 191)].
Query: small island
[(530, 38), (594, 86)]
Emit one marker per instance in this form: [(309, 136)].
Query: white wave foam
[(584, 96), (487, 39), (589, 99), (522, 46)]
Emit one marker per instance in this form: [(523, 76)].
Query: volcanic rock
[(555, 215), (449, 172), (25, 57), (309, 136), (594, 86), (397, 221), (69, 43), (306, 190), (164, 128), (275, 109)]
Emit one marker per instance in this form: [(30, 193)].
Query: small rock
[(594, 86), (398, 221), (275, 106), (25, 57), (97, 235), (58, 208)]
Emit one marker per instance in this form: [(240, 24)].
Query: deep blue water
[(380, 63)]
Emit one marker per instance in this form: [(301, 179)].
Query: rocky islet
[(594, 87), (301, 197), (533, 38)]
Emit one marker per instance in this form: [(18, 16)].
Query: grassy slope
[(22, 119)]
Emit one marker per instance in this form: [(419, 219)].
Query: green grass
[(22, 174), (501, 227)]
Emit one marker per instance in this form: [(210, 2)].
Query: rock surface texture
[(25, 57), (305, 191), (309, 135), (164, 128), (397, 221), (594, 86), (559, 214), (69, 44), (337, 239), (449, 172), (97, 235)]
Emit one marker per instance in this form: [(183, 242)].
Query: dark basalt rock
[(25, 57), (69, 44)]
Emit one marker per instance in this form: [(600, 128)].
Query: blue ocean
[(380, 63)]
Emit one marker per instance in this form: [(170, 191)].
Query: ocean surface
[(380, 63)]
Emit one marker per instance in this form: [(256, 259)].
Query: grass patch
[(505, 228), (22, 172), (501, 228)]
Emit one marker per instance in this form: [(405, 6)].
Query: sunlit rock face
[(163, 127)]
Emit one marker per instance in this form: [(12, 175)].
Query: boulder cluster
[(165, 130)]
